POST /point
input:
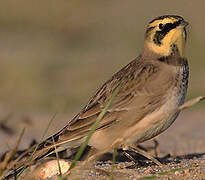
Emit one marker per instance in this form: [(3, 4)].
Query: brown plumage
[(155, 82)]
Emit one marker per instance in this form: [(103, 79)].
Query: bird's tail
[(40, 151)]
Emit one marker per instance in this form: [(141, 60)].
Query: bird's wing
[(139, 90)]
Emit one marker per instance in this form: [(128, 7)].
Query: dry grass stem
[(57, 157), (6, 164)]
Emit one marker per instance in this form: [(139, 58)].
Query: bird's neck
[(173, 58)]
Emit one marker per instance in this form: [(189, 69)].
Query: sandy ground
[(181, 149)]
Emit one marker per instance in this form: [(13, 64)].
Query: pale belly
[(174, 100), (140, 133)]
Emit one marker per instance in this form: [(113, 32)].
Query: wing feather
[(136, 77)]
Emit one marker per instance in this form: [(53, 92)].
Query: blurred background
[(55, 54)]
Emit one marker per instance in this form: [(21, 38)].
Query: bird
[(153, 83)]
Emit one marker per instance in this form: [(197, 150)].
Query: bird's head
[(166, 34)]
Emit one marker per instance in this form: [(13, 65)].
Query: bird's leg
[(141, 152), (133, 160), (129, 157), (154, 148)]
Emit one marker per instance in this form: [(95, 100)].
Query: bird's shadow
[(141, 161)]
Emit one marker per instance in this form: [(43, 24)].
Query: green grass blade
[(85, 143), (113, 164)]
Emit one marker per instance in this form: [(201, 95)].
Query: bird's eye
[(160, 26)]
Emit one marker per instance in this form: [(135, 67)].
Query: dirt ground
[(181, 149)]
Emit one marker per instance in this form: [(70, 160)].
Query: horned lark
[(155, 82)]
